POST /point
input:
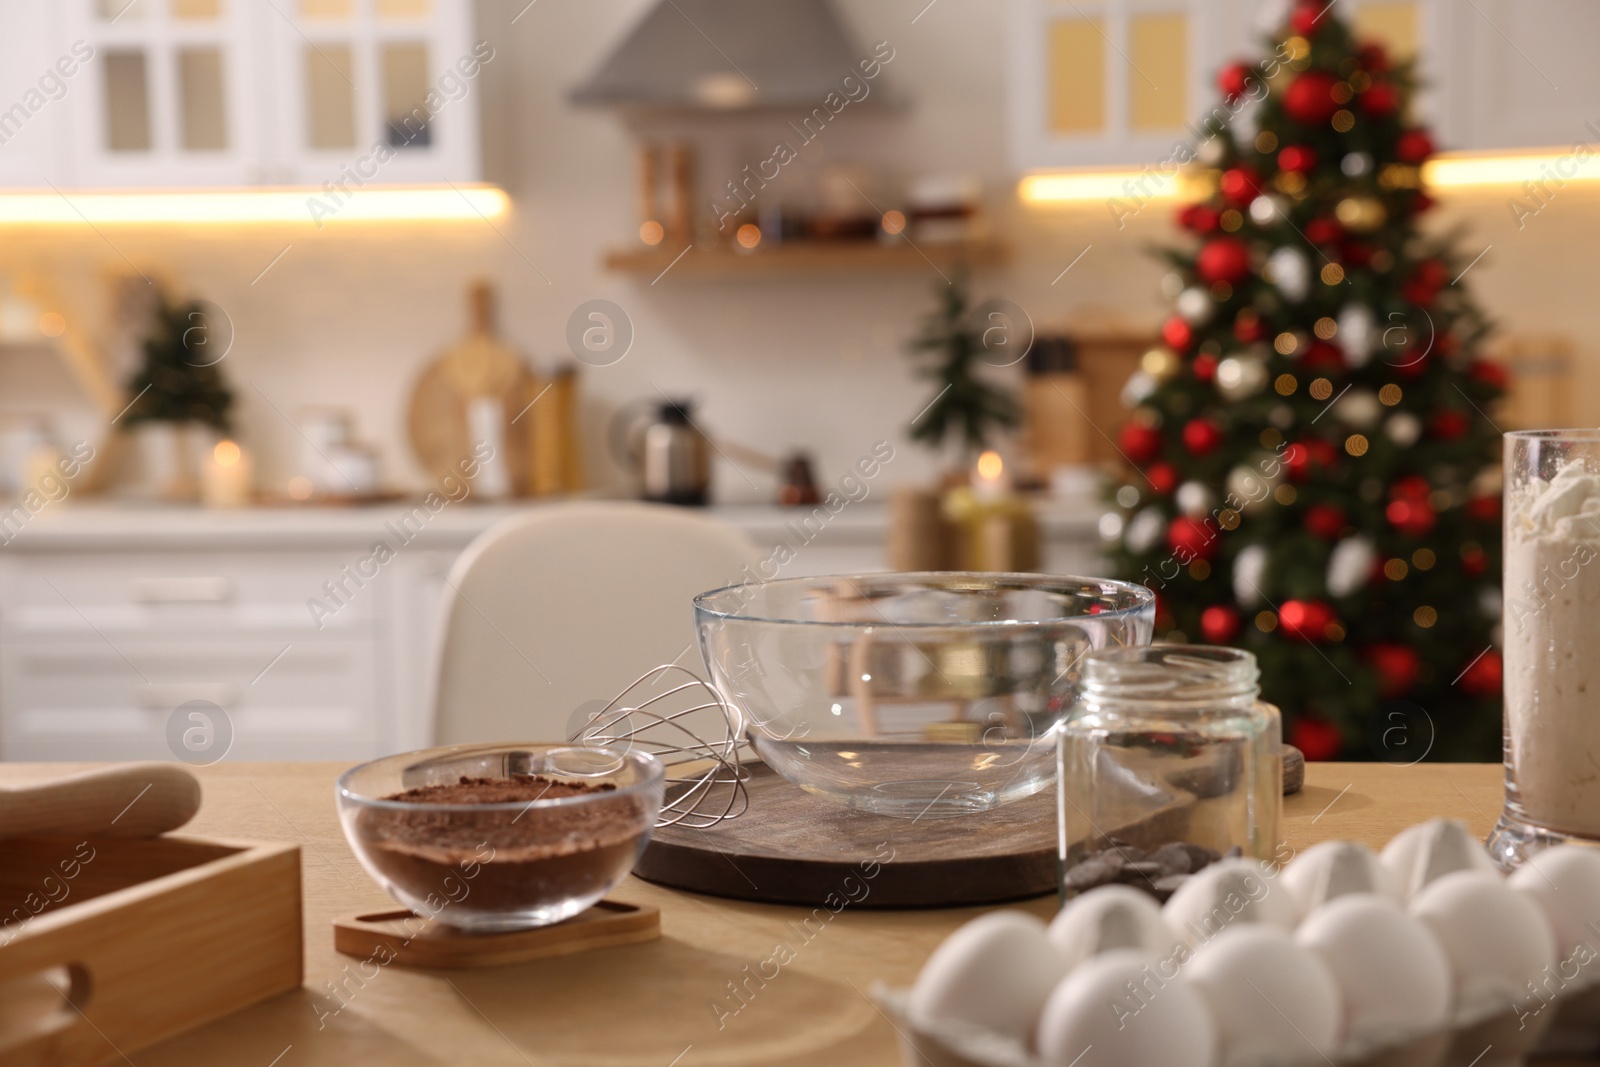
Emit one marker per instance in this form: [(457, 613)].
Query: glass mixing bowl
[(912, 694), (472, 858)]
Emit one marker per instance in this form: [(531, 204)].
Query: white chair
[(549, 615)]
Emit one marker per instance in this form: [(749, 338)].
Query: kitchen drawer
[(58, 594), (68, 700)]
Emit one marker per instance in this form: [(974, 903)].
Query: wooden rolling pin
[(128, 800)]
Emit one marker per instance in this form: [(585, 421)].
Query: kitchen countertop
[(654, 1005), (97, 524)]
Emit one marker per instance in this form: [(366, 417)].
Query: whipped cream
[(1552, 649)]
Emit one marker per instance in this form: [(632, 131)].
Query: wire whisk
[(711, 788)]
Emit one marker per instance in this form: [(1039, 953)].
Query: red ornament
[(1248, 327), (1307, 18), (1374, 56), (1140, 443), (1199, 218), (1240, 185), (1162, 477), (1323, 356), (1234, 80), (1204, 367), (1410, 487), (1298, 158), (1191, 538), (1489, 373), (1356, 253), (1202, 436), (1421, 202), (1324, 231), (1309, 98), (1474, 561), (1305, 619), (1177, 333), (1219, 624), (1450, 425), (1303, 457), (1411, 517), (1397, 666), (1381, 100), (1484, 675), (1432, 273), (1223, 259), (1414, 146), (1317, 738), (1483, 509), (1326, 521)]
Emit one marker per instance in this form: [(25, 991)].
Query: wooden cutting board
[(792, 847)]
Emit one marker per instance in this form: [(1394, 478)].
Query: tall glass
[(1552, 642)]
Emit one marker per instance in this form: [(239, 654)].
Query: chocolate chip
[(1098, 869), (1174, 858)]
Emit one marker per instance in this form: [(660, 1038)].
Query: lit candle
[(225, 481), (990, 481)]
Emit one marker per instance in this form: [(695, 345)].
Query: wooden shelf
[(800, 257)]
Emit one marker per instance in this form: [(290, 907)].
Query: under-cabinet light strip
[(311, 206)]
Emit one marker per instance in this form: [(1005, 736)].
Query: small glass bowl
[(912, 695), (506, 865)]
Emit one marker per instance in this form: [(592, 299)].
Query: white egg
[(1228, 892), (1113, 917), (1430, 850), (995, 972), (1393, 977), (1565, 883), (1271, 998), (1117, 1010), (1496, 939), (1332, 869)]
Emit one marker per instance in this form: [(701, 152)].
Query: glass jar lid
[(1173, 677)]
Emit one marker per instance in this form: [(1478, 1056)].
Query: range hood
[(728, 55)]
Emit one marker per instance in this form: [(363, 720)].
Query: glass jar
[(1551, 585), (1170, 743)]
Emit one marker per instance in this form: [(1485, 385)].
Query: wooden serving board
[(400, 936), (792, 847)]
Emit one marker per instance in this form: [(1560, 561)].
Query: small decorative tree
[(967, 411), (180, 380)]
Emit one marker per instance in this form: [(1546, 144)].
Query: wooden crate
[(110, 946)]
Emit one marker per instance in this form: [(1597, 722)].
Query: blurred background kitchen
[(274, 272)]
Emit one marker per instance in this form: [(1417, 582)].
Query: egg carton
[(1491, 1021)]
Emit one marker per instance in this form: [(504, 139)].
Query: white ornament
[(1355, 164), (1145, 530), (1358, 408), (1403, 428), (1195, 306), (1349, 565), (1213, 151), (1489, 601), (1290, 271), (1281, 416), (1267, 209), (1249, 568), (1128, 496), (1171, 285), (1195, 500), (1241, 376), (1248, 488), (1111, 526), (1138, 388), (1357, 334)]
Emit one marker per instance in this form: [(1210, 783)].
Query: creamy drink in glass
[(1552, 642)]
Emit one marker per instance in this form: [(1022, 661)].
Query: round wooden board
[(791, 847), (795, 848)]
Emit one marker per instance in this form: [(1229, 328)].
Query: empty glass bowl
[(912, 694), (501, 837)]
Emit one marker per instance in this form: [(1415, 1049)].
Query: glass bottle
[(1170, 743)]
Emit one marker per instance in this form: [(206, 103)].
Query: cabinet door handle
[(182, 590)]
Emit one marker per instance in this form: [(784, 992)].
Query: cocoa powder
[(495, 859)]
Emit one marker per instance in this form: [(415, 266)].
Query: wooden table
[(664, 1003)]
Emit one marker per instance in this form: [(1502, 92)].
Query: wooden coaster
[(435, 944)]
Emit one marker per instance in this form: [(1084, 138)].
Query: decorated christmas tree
[(1315, 469)]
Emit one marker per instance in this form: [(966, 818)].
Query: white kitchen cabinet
[(112, 619), (1114, 82), (329, 93)]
